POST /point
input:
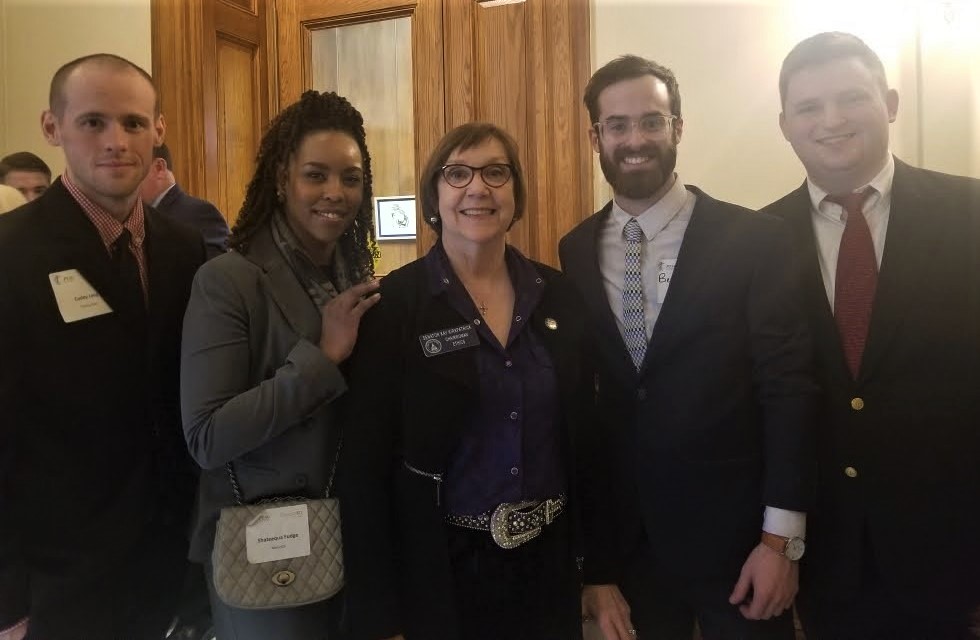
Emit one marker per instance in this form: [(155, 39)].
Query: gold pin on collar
[(551, 323)]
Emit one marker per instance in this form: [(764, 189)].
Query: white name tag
[(76, 298), (664, 274), (278, 533)]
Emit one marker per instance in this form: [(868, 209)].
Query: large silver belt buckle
[(499, 521)]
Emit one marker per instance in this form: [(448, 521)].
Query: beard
[(639, 184)]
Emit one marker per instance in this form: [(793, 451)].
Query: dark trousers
[(530, 592), (874, 613), (134, 598), (664, 606)]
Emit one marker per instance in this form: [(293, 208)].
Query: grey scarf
[(311, 275)]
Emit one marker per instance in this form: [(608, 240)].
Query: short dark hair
[(56, 94), (465, 137), (827, 47), (23, 161), (628, 67), (163, 152), (313, 112)]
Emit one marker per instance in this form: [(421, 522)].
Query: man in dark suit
[(95, 480), (891, 282), (161, 191), (703, 381)]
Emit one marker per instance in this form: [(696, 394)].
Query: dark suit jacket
[(404, 406), (255, 388), (716, 423), (916, 442), (91, 451), (200, 214)]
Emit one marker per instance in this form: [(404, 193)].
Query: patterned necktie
[(857, 279), (635, 333)]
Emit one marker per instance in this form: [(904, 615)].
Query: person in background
[(268, 329), (468, 421), (891, 282), (25, 172), (10, 198), (161, 191), (703, 381), (95, 481)]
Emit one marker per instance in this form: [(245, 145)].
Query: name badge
[(278, 533), (448, 340), (664, 274), (76, 298)]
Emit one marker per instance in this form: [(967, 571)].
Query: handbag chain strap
[(237, 488)]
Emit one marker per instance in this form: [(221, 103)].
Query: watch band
[(791, 548)]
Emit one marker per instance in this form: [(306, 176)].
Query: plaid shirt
[(110, 229)]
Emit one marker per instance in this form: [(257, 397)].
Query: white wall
[(727, 53), (37, 37)]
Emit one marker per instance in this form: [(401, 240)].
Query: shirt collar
[(881, 186), (659, 215), (159, 198), (526, 279), (108, 227)]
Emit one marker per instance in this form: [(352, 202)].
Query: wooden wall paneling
[(429, 50), (459, 68), (501, 91), (213, 132), (580, 23), (236, 124), (556, 121), (177, 45)]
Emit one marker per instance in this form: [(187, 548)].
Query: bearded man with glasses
[(703, 382)]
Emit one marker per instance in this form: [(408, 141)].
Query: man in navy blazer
[(703, 381), (95, 481), (894, 544), (161, 191)]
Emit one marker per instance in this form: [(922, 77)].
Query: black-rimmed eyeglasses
[(461, 175), (654, 126)]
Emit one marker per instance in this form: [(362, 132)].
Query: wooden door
[(385, 56), (522, 66), (210, 65)]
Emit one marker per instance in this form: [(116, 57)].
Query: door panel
[(380, 55)]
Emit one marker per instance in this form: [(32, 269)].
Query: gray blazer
[(255, 388)]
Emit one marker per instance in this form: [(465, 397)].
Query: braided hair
[(313, 112)]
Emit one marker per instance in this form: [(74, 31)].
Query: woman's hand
[(342, 316)]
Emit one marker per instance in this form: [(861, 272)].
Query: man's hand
[(773, 581), (606, 605), (342, 317)]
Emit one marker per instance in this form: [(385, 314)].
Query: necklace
[(483, 308)]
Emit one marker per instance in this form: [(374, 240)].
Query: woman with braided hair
[(267, 330)]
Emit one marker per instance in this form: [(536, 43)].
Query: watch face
[(794, 548)]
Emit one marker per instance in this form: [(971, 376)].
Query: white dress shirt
[(664, 225), (829, 219)]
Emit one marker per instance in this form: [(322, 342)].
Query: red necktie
[(857, 278)]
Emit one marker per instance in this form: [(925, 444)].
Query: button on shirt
[(509, 448), (663, 227), (829, 220)]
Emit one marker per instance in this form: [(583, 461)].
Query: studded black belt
[(513, 523)]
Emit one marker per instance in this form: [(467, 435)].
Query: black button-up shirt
[(509, 449)]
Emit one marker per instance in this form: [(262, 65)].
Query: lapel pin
[(551, 323)]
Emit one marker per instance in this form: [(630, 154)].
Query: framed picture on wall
[(394, 217)]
